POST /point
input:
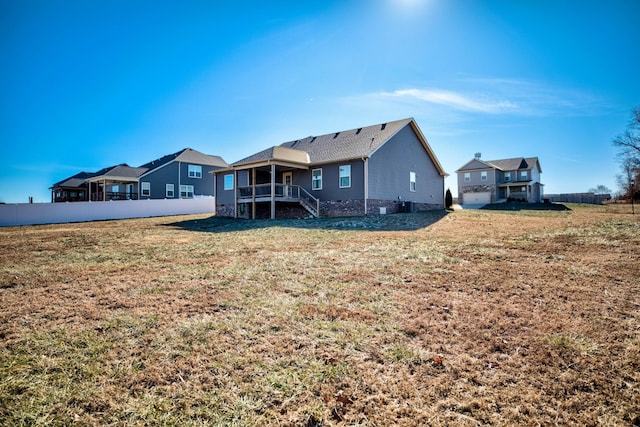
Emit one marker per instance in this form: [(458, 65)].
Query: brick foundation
[(329, 208)]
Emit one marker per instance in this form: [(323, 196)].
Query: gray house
[(384, 168), (184, 174), (491, 181)]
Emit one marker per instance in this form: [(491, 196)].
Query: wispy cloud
[(491, 97), (456, 100)]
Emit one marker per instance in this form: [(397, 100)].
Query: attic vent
[(384, 125), (336, 135), (358, 131)]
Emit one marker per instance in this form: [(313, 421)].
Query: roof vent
[(336, 135), (384, 125), (478, 155), (358, 131), (312, 139)]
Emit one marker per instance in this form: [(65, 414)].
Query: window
[(115, 188), (524, 175), (186, 191), (228, 182), (412, 181), (483, 176), (467, 177), (169, 193), (345, 176), (316, 179), (146, 188), (507, 176), (195, 171)]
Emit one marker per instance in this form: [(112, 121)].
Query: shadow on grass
[(390, 222), (521, 206)]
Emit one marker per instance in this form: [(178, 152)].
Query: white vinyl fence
[(57, 213)]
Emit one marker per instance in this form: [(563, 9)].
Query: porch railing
[(282, 191), (100, 196), (293, 193), (310, 203)]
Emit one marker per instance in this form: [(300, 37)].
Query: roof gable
[(186, 155), (476, 164)]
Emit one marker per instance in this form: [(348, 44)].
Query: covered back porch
[(271, 181)]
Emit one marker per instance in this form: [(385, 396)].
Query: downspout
[(273, 191), (215, 194), (235, 193), (179, 181), (366, 184)]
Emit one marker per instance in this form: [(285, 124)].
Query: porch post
[(273, 191), (104, 190), (253, 193)]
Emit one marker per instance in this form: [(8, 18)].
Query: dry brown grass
[(476, 317)]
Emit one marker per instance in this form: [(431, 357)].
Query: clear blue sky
[(89, 84)]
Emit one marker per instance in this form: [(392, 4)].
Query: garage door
[(476, 198)]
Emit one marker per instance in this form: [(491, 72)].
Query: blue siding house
[(185, 174)]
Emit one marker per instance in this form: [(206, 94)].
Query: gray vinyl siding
[(476, 177), (331, 181), (389, 169), (178, 174)]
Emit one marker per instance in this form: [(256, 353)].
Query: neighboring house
[(72, 189), (114, 183), (384, 168), (491, 181), (184, 174)]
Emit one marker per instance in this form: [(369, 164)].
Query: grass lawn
[(516, 317)]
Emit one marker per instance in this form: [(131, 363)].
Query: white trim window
[(228, 182), (483, 176), (412, 181), (195, 171), (345, 176), (169, 191), (524, 175), (145, 189), (467, 177), (186, 191), (507, 176), (316, 179)]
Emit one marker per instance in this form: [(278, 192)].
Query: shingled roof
[(503, 164), (187, 155), (357, 143), (122, 171), (514, 164), (74, 181)]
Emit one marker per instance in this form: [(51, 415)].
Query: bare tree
[(628, 144), (600, 189)]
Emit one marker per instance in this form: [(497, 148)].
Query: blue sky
[(90, 84)]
